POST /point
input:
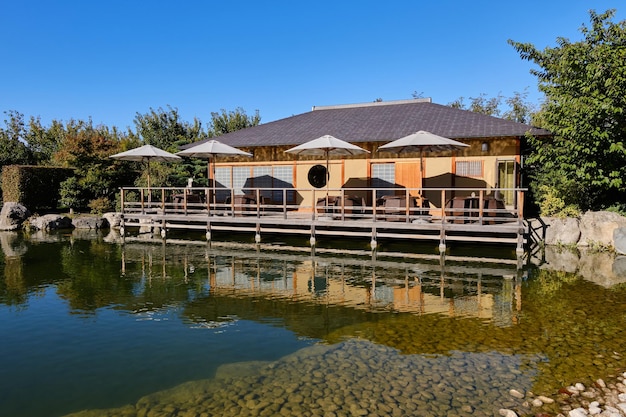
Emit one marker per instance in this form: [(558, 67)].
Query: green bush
[(552, 204), (71, 194), (100, 205)]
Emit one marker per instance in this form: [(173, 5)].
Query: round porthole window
[(317, 176)]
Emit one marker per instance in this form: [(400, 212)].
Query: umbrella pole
[(213, 181), (327, 178), (149, 193)]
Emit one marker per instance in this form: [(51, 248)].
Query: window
[(469, 168), (384, 176), (245, 179)]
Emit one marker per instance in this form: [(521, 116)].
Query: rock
[(600, 383), (536, 402), (89, 222), (558, 259), (561, 231), (622, 406), (578, 412), (545, 400), (504, 412), (515, 393), (619, 266), (594, 410), (597, 227), (114, 219), (619, 240), (50, 222), (12, 216)]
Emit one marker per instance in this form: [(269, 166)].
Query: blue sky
[(109, 60)]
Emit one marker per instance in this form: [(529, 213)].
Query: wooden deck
[(467, 216)]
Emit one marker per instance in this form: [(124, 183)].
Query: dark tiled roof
[(378, 122)]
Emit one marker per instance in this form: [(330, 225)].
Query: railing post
[(443, 204), (258, 202), (374, 205), (122, 200), (481, 206)]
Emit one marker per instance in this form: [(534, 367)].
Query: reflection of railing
[(426, 205), (432, 285)]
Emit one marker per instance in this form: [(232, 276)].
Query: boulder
[(114, 219), (12, 216), (619, 267), (51, 222), (89, 222), (619, 240), (558, 259), (563, 231), (596, 227)]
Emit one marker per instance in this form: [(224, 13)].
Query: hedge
[(36, 187)]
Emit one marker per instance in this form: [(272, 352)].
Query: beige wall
[(354, 171)]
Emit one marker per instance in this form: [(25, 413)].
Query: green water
[(93, 326)]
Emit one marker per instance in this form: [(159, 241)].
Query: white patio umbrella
[(421, 142), (209, 150), (146, 153), (325, 146)]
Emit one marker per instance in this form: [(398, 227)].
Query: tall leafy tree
[(87, 150), (13, 148), (164, 129), (231, 121), (584, 83)]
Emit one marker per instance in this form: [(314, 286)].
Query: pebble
[(578, 412), (359, 378), (545, 400)]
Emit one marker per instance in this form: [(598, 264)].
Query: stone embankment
[(600, 229)]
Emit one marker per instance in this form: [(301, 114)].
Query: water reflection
[(452, 334), (427, 286)]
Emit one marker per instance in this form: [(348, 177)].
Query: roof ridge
[(373, 103)]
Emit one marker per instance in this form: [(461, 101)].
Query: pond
[(95, 326)]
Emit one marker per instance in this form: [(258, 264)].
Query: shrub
[(551, 204), (100, 205)]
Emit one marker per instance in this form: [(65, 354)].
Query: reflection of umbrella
[(146, 153), (325, 146), (209, 150), (422, 142)]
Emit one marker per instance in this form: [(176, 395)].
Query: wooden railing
[(455, 205)]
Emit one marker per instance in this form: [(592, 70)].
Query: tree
[(584, 83), (232, 121), (164, 129), (13, 149), (480, 104), (87, 150)]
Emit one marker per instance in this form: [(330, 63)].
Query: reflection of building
[(421, 289), (420, 284)]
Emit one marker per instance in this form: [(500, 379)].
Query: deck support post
[(312, 239), (519, 250), (208, 231), (257, 236), (442, 239), (163, 231), (373, 242)]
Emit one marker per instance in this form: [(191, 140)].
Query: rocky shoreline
[(603, 399)]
